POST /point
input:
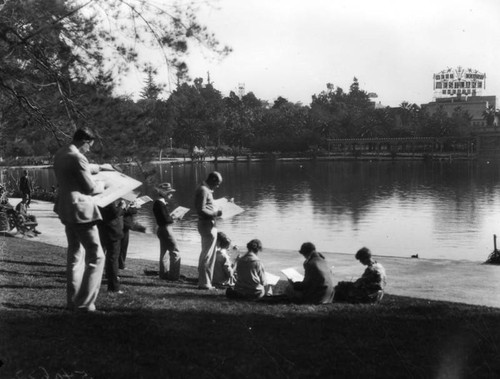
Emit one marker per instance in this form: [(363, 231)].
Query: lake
[(437, 209)]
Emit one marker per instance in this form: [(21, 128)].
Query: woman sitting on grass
[(250, 275), (367, 289)]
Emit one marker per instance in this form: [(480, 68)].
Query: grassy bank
[(172, 330)]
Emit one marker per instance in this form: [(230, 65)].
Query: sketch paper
[(272, 279), (143, 200), (229, 209), (179, 212), (293, 275), (116, 185), (131, 196)]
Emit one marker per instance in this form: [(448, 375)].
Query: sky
[(293, 48)]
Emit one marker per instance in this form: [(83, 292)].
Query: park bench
[(11, 220)]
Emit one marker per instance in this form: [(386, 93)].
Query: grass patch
[(159, 329)]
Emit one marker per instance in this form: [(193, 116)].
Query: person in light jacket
[(250, 275), (77, 211)]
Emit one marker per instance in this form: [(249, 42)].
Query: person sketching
[(250, 275), (77, 211), (207, 212), (317, 286), (223, 268), (165, 234), (369, 287)]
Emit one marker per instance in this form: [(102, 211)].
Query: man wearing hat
[(207, 213), (165, 233)]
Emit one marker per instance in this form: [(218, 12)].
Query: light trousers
[(206, 262), (84, 266)]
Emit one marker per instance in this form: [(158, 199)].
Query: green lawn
[(165, 330)]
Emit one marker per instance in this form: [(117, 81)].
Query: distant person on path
[(25, 187), (207, 212), (250, 275), (79, 214), (129, 210), (111, 234), (223, 268), (165, 233), (367, 289), (317, 286)]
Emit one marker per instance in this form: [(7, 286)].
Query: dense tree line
[(197, 115), (59, 66)]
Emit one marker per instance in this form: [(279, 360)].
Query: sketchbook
[(293, 275), (143, 200), (229, 209), (179, 212), (272, 279), (116, 185)]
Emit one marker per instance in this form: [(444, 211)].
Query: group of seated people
[(246, 277)]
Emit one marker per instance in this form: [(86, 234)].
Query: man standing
[(25, 188), (207, 213), (77, 211)]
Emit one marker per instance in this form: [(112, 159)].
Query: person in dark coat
[(165, 234), (111, 234), (25, 187), (317, 286)]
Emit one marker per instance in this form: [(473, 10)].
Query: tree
[(49, 46), (151, 90), (489, 115)]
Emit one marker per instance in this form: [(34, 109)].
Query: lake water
[(436, 209)]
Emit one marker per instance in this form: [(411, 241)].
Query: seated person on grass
[(317, 286), (367, 289), (223, 268), (250, 275)]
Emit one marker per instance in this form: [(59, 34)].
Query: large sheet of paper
[(272, 279), (179, 212), (229, 209), (143, 200), (116, 185), (293, 275)]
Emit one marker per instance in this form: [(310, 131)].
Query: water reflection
[(434, 209)]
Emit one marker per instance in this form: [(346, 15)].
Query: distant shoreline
[(279, 158)]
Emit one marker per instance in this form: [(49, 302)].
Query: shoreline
[(278, 158), (434, 279)]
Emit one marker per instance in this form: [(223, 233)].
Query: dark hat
[(165, 188)]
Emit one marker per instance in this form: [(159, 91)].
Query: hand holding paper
[(228, 208), (293, 275)]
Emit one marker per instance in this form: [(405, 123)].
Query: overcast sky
[(292, 48)]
